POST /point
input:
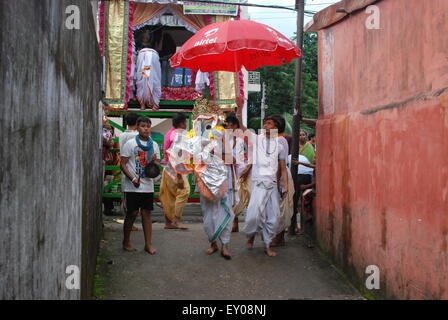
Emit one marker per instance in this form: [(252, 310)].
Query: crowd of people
[(258, 180)]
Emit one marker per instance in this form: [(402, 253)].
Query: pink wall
[(382, 140)]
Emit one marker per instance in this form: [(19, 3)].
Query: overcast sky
[(284, 20)]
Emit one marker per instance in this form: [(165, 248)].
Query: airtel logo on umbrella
[(208, 40)]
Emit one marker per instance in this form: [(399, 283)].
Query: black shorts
[(139, 200)]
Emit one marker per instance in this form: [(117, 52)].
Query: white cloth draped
[(263, 212), (148, 76), (218, 219)]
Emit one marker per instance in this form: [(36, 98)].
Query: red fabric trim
[(180, 93), (129, 57), (101, 33)]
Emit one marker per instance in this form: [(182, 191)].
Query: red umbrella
[(227, 46)]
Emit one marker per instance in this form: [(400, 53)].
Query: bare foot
[(250, 243), (170, 226), (129, 247), (213, 248), (181, 226), (270, 252), (225, 253), (150, 250)]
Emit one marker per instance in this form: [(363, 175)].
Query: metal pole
[(300, 8), (263, 101)]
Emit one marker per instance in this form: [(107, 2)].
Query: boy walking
[(138, 188)]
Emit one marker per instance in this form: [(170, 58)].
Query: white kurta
[(218, 219), (148, 76)]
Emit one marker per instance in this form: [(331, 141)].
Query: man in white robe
[(211, 179), (287, 202), (148, 79), (263, 211), (217, 213)]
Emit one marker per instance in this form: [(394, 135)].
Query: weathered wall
[(382, 137), (50, 178)]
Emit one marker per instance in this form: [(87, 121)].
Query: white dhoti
[(218, 218), (263, 211), (286, 206)]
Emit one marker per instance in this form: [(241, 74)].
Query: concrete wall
[(382, 139), (50, 212)]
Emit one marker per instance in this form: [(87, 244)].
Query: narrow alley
[(181, 270)]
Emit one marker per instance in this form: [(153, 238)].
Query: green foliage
[(310, 55), (99, 280), (279, 82)]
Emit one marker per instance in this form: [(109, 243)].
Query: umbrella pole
[(300, 8)]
